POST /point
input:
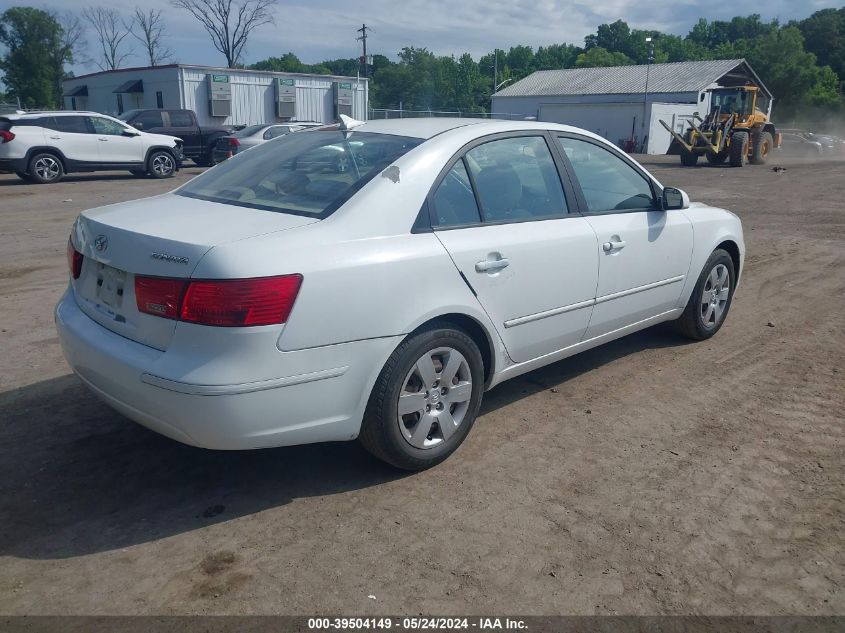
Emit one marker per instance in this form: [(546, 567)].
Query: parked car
[(227, 146), (831, 145), (271, 302), (798, 144), (198, 141), (41, 147)]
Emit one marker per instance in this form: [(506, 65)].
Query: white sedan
[(276, 300)]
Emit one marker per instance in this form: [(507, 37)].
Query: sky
[(326, 29)]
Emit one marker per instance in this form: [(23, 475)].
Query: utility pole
[(363, 39), (650, 42)]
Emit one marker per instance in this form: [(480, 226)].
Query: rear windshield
[(304, 174), (249, 131)]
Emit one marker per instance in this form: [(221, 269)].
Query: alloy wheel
[(714, 297), (47, 168), (162, 165), (434, 398)]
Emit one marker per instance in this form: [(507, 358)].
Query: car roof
[(426, 128), (40, 113)]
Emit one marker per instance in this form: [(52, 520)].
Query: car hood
[(165, 139)]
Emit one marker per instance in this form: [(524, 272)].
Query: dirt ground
[(651, 476)]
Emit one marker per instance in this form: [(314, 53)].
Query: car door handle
[(609, 247), (102, 139), (491, 265), (55, 138)]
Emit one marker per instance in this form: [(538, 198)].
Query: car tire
[(161, 164), (415, 440), (710, 301), (45, 168), (739, 149)]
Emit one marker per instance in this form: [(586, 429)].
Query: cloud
[(325, 29)]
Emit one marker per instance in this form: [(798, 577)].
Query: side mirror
[(673, 198)]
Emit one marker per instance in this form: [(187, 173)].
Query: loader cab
[(739, 101)]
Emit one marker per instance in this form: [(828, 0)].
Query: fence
[(387, 113)]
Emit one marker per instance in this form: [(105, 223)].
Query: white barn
[(253, 96), (612, 102)]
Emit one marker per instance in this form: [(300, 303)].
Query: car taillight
[(225, 303), (74, 260), (233, 142), (159, 296), (244, 302), (6, 136)]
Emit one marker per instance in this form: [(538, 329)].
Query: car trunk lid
[(164, 236)]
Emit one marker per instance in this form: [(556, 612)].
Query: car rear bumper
[(299, 405), (10, 165)]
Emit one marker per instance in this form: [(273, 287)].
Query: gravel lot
[(651, 476)]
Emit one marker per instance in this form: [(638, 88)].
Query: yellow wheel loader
[(737, 129)]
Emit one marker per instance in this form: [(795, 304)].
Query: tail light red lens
[(6, 136), (241, 302), (74, 260), (224, 303), (159, 296), (234, 142)]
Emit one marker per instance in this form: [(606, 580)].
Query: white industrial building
[(614, 102), (220, 96)]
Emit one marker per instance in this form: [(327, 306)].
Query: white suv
[(41, 147)]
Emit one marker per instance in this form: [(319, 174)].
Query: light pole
[(650, 42)]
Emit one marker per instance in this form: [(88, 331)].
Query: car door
[(114, 146), (74, 137), (182, 125), (644, 252), (501, 212)]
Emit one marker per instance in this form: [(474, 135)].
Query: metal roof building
[(220, 96), (613, 103)]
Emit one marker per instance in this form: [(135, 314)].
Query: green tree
[(598, 56), (287, 63), (36, 52), (824, 36)]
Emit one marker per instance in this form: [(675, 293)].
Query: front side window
[(180, 119), (106, 126), (607, 182), (454, 201), (148, 120), (303, 174), (516, 179)]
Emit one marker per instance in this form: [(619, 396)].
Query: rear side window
[(607, 182), (148, 120), (71, 124), (516, 179), (5, 124), (181, 119), (303, 174), (276, 130)]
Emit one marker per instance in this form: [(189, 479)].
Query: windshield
[(303, 174), (732, 101)]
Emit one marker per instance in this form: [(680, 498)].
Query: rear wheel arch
[(32, 151), (472, 328)]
